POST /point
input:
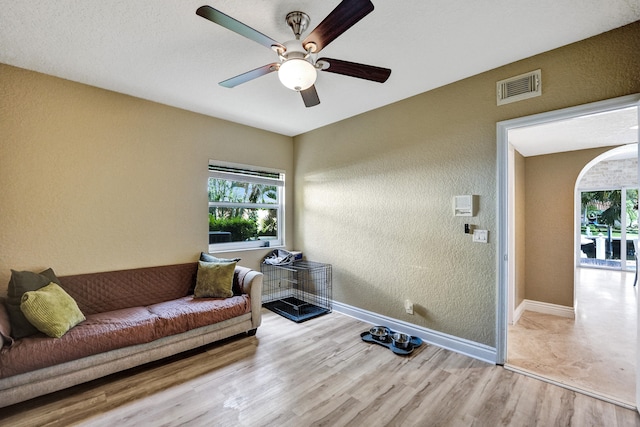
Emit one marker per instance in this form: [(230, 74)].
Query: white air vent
[(520, 87)]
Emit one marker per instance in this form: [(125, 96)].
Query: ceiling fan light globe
[(297, 74)]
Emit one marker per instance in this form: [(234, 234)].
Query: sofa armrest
[(250, 282), (5, 326)]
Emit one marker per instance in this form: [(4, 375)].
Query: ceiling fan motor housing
[(298, 21)]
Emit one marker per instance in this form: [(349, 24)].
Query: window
[(246, 207)]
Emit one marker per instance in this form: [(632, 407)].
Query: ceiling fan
[(297, 64)]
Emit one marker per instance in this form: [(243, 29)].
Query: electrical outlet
[(481, 236)]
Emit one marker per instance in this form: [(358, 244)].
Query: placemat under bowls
[(384, 336)]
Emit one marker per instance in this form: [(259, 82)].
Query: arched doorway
[(607, 210)]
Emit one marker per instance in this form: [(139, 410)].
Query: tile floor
[(596, 352)]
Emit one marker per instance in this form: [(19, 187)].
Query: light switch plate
[(480, 236)]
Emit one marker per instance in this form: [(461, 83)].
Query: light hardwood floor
[(317, 373), (596, 352)]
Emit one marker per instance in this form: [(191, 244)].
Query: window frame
[(257, 175)]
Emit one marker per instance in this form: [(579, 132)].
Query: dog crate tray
[(295, 309), (413, 344)]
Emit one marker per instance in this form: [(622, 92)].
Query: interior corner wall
[(520, 220), (374, 193), (550, 182), (93, 180)]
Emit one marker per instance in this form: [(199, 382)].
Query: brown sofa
[(132, 317)]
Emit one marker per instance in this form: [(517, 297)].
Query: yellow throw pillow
[(51, 310), (214, 280)]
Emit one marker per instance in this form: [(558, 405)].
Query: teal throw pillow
[(210, 258)]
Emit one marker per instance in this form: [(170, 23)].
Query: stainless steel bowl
[(400, 340), (380, 333)]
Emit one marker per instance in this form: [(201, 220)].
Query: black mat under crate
[(295, 309)]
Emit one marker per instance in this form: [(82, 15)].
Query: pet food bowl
[(379, 332), (400, 340)]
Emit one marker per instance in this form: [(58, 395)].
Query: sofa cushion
[(214, 280), (51, 310), (97, 334), (187, 313), (115, 290), (21, 282)]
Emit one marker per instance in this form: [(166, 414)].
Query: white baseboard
[(459, 345), (545, 308), (518, 312)]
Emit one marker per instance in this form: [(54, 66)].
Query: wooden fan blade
[(249, 75), (214, 15), (352, 69), (310, 97), (343, 17)]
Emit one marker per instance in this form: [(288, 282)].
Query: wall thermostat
[(465, 205)]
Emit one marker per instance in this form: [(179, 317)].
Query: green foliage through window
[(244, 207), (241, 229)]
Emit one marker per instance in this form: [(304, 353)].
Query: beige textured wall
[(520, 217), (373, 193), (550, 188), (92, 180)]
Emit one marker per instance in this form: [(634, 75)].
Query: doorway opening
[(512, 297)]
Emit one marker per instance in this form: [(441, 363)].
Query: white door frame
[(504, 270)]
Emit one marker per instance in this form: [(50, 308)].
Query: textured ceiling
[(162, 51)]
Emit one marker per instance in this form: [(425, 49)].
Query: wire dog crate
[(298, 291)]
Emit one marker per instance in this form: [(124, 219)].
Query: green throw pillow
[(51, 310), (214, 280), (21, 282)]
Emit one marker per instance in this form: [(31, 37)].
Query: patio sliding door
[(609, 226)]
